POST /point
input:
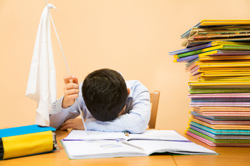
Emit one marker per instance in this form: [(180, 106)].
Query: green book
[(219, 47), (189, 53), (245, 141), (221, 131), (218, 90)]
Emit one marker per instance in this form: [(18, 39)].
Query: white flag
[(41, 85)]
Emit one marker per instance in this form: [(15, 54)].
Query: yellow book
[(220, 83), (224, 74), (224, 22), (207, 53), (222, 109), (228, 69), (215, 43), (223, 79), (222, 64), (216, 58), (212, 48)]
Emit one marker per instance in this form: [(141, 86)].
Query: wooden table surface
[(229, 156)]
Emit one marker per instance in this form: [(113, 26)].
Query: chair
[(154, 100)]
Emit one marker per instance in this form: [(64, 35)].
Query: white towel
[(41, 85)]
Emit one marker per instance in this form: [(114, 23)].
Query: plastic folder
[(26, 140)]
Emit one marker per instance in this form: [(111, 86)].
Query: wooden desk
[(229, 156)]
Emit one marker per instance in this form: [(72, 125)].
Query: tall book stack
[(217, 54)]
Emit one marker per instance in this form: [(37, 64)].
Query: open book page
[(151, 147), (99, 149), (95, 144), (81, 135), (107, 149), (164, 135)]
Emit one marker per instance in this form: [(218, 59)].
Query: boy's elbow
[(139, 128)]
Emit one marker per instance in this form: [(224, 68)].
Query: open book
[(158, 135), (80, 145)]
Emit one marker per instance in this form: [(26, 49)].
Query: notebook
[(95, 144), (158, 135)]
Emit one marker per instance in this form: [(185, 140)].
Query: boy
[(108, 102)]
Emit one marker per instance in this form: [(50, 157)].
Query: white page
[(172, 147), (81, 135), (99, 149), (147, 135), (158, 135)]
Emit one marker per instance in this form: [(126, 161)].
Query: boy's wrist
[(65, 103)]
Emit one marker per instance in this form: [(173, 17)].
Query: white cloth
[(41, 85)]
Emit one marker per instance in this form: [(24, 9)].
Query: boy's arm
[(136, 121), (65, 108), (61, 115)]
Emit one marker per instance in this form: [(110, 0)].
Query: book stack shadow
[(217, 55)]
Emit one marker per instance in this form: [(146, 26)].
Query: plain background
[(131, 36)]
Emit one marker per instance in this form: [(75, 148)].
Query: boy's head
[(105, 93)]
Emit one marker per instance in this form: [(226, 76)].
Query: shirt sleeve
[(56, 120), (136, 121), (60, 115)]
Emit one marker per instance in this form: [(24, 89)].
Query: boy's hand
[(71, 91), (72, 123)]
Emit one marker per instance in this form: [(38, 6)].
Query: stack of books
[(219, 85), (217, 30)]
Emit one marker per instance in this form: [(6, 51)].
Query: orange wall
[(132, 36)]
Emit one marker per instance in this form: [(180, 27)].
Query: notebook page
[(99, 149), (81, 135), (151, 147), (165, 135)]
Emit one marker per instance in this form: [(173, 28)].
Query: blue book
[(190, 49), (220, 131)]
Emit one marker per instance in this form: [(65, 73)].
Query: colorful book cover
[(210, 143), (218, 90), (225, 118), (221, 131), (223, 122), (244, 141), (231, 127), (220, 136)]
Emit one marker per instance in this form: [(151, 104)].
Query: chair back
[(154, 100)]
